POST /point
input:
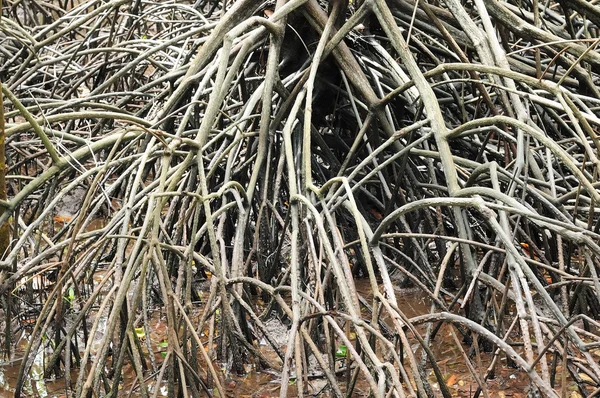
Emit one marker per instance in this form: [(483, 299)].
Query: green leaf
[(140, 333), (164, 354), (341, 352), (163, 344)]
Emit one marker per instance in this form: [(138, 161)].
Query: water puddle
[(35, 385)]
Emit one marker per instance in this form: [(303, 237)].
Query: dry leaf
[(451, 380), (586, 378), (62, 219)]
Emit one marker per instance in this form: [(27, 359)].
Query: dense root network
[(234, 166)]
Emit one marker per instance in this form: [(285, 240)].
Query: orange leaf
[(451, 380), (62, 219), (376, 213)]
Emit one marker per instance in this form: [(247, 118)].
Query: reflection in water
[(35, 385), (3, 383)]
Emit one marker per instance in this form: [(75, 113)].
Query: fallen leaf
[(376, 213), (586, 378), (341, 352), (451, 380), (62, 219), (140, 332)]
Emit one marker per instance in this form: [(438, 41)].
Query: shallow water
[(508, 382)]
